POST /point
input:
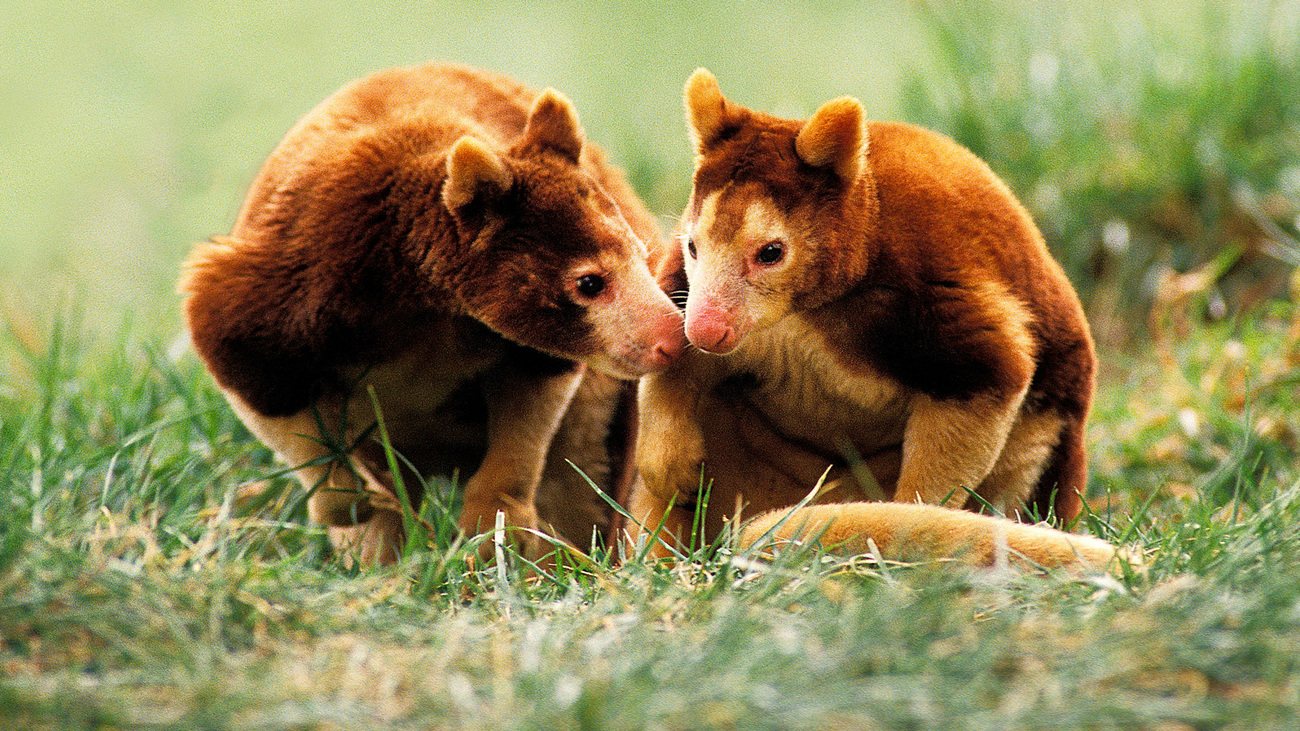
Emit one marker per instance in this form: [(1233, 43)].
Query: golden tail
[(916, 532)]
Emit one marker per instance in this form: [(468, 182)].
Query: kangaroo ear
[(553, 124), (706, 109), (835, 137), (473, 169)]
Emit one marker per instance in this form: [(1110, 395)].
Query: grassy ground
[(1156, 144), (136, 593)]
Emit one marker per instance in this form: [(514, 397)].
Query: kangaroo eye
[(770, 254), (591, 285), (690, 247)]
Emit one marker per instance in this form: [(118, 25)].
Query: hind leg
[(1029, 449), (1061, 486), (350, 494)]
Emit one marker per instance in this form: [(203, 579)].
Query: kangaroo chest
[(808, 394)]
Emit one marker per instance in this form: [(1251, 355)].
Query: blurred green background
[(1147, 138)]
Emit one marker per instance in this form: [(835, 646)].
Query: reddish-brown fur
[(913, 316), (429, 232)]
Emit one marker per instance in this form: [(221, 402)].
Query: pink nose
[(670, 343), (711, 324), (662, 356), (716, 340), (712, 332)]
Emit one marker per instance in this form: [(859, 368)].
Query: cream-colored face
[(741, 257)]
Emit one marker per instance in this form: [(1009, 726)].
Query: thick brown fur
[(446, 237), (862, 293)]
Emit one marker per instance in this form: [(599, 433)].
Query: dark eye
[(591, 285), (771, 253), (690, 247)]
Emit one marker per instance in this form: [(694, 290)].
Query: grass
[(139, 589), (1145, 139), (136, 591)]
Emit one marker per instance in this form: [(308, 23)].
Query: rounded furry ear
[(836, 137), (706, 109), (473, 169), (553, 124)]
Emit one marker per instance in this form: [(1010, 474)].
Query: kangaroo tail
[(916, 532)]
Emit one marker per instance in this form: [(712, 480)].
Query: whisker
[(671, 218)]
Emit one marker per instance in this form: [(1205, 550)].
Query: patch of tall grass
[(1145, 138), (138, 591)]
